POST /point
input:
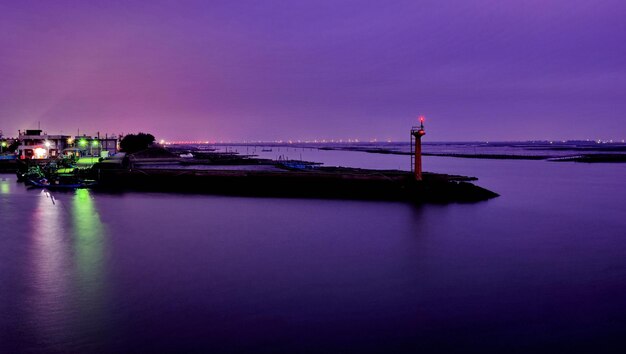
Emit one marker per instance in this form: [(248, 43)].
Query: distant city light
[(327, 140), (82, 142), (47, 144), (95, 143)]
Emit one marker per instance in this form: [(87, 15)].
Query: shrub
[(136, 142)]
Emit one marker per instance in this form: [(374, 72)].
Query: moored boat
[(61, 184)]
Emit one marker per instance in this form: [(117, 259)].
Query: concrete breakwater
[(246, 176), (323, 182)]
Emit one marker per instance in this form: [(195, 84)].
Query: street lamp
[(2, 146), (94, 143), (82, 143)]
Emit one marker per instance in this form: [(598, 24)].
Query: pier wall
[(396, 186)]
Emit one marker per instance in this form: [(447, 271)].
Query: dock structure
[(325, 183), (158, 169), (213, 173)]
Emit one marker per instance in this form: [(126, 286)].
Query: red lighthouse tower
[(416, 139)]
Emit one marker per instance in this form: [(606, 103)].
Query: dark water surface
[(541, 267)]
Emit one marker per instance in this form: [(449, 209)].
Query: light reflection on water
[(88, 234), (542, 265), (64, 301), (5, 186), (89, 240), (50, 265)]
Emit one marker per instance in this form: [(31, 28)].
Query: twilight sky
[(265, 70)]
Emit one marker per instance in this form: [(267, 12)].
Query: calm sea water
[(543, 267)]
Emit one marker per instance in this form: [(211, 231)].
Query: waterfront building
[(92, 146), (35, 145)]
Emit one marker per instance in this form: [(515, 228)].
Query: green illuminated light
[(95, 143), (87, 160), (4, 144), (82, 142)]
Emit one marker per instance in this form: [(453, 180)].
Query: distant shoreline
[(585, 158)]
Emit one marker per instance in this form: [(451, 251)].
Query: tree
[(13, 147), (132, 143)]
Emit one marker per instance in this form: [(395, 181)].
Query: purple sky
[(241, 70)]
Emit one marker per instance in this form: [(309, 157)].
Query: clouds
[(265, 70)]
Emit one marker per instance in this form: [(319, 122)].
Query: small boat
[(33, 173), (45, 183)]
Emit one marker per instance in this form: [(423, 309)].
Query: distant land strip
[(587, 158)]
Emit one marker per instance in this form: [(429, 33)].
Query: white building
[(35, 145)]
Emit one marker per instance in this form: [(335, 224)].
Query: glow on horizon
[(309, 70)]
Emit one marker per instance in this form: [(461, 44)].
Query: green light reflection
[(89, 238), (5, 188), (88, 232)]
